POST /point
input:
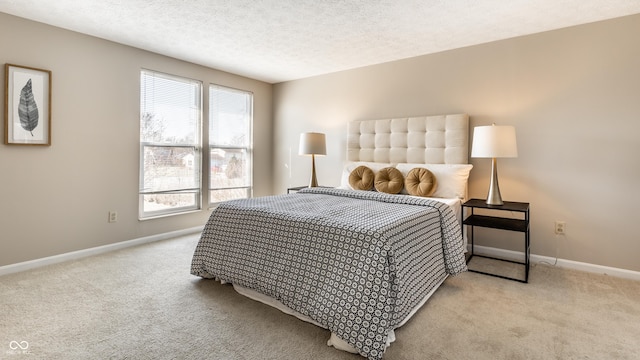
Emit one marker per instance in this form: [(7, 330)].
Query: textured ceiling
[(280, 40)]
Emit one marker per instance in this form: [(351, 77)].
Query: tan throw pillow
[(420, 182), (361, 178), (389, 180)]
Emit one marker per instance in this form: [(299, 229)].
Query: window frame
[(248, 148), (197, 190)]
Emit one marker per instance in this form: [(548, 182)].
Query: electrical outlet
[(560, 227), (113, 216)]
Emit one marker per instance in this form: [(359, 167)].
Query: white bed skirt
[(334, 340)]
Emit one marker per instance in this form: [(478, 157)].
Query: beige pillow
[(389, 180), (361, 178), (420, 182)]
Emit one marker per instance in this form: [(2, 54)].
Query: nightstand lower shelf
[(296, 188), (525, 280), (501, 223)]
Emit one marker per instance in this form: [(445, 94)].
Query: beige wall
[(572, 94), (55, 199)]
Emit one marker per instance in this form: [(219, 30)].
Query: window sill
[(168, 215)]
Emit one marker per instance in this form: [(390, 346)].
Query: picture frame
[(27, 106)]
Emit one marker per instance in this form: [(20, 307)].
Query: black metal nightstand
[(502, 223), (296, 188)]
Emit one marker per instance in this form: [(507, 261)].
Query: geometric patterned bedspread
[(356, 262)]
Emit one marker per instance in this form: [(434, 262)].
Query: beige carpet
[(142, 303)]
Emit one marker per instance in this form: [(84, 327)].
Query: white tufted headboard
[(442, 139)]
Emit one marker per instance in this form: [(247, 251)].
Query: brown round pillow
[(361, 178), (389, 180), (420, 182)]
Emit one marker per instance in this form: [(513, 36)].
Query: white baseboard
[(568, 264), (31, 264)]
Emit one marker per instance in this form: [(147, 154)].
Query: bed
[(359, 263)]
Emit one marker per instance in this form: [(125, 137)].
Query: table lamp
[(494, 142), (312, 143)]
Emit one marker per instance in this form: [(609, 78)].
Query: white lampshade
[(312, 143), (494, 142)]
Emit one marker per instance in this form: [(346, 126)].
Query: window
[(230, 144), (170, 144)]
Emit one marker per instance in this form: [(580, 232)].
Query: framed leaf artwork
[(27, 106)]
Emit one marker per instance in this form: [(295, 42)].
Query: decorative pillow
[(351, 165), (452, 178), (420, 182), (389, 180), (361, 178)]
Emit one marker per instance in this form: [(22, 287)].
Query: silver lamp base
[(493, 197), (314, 181)]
